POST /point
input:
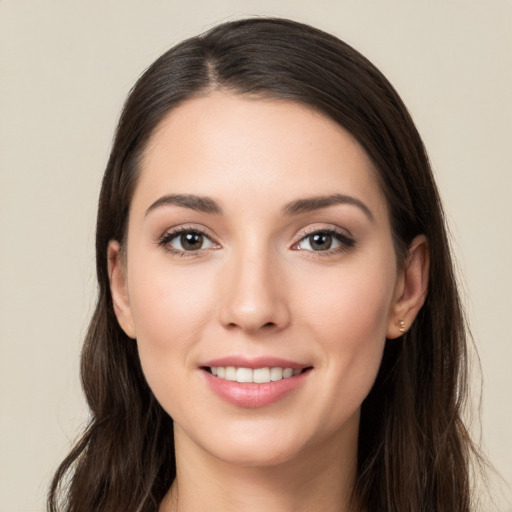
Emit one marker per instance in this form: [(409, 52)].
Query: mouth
[(261, 375)]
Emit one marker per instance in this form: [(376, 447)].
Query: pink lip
[(257, 362), (252, 395)]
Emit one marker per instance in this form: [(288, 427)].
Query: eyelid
[(343, 236), (174, 232)]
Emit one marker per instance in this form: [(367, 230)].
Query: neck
[(322, 478)]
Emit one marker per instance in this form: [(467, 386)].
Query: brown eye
[(187, 240), (323, 241), (191, 241), (320, 241)]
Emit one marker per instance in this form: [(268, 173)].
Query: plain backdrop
[(65, 69)]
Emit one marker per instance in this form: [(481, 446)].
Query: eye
[(324, 240), (187, 240)]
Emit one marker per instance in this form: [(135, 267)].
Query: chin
[(256, 456), (249, 445)]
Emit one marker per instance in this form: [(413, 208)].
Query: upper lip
[(256, 362)]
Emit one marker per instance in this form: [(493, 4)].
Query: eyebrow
[(318, 202), (198, 203), (208, 205)]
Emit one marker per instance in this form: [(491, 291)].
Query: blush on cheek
[(168, 324), (354, 313), (351, 321), (167, 302)]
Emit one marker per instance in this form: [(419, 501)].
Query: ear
[(119, 288), (411, 288)]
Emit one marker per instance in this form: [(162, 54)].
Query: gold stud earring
[(401, 326)]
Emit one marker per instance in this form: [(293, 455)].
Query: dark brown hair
[(414, 450)]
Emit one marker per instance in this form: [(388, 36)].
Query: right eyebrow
[(318, 202), (198, 203)]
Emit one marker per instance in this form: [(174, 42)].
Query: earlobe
[(411, 290), (119, 288)]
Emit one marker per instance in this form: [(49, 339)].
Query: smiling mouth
[(254, 375)]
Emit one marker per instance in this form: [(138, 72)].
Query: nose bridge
[(253, 297)]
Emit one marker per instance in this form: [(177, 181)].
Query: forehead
[(224, 145)]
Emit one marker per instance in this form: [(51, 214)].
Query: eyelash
[(346, 242), (166, 239)]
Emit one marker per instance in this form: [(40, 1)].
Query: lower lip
[(253, 395)]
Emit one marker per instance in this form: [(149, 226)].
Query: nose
[(253, 294)]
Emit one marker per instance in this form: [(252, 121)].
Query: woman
[(278, 325)]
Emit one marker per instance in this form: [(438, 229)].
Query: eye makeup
[(187, 241), (190, 241), (324, 241)]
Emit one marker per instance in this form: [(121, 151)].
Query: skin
[(257, 287)]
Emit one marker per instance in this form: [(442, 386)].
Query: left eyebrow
[(318, 202), (198, 203)]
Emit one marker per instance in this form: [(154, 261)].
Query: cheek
[(348, 316), (169, 311), (351, 304)]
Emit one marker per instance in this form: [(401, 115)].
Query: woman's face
[(258, 246)]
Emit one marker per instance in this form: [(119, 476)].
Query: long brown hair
[(414, 450)]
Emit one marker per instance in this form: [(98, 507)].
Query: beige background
[(65, 69)]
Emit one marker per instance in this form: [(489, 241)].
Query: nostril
[(268, 325)]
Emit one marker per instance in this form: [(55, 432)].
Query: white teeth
[(230, 373), (244, 375), (261, 375), (276, 374), (258, 375), (287, 372)]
